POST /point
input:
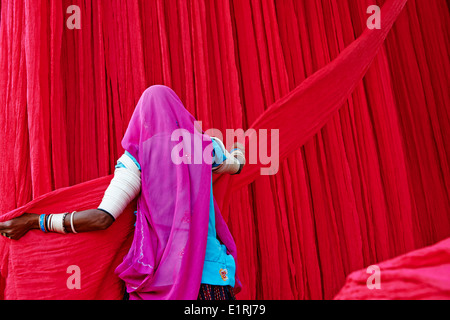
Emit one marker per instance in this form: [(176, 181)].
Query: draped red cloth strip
[(355, 187), (46, 270), (420, 274)]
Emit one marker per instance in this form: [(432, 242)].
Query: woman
[(182, 248)]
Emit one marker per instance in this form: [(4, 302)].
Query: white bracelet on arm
[(55, 222), (124, 187), (234, 162)]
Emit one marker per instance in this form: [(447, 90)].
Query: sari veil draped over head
[(166, 258)]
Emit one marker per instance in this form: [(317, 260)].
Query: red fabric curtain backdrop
[(364, 175)]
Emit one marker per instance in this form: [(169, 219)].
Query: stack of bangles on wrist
[(55, 222)]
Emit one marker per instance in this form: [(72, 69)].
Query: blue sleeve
[(217, 150), (121, 165)]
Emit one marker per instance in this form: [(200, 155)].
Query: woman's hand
[(16, 228)]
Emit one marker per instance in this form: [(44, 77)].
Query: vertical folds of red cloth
[(362, 115)]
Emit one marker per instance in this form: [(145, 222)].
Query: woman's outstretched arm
[(123, 188), (82, 221)]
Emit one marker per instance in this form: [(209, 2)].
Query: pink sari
[(166, 257)]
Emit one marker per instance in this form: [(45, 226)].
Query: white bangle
[(56, 223), (234, 160), (71, 222)]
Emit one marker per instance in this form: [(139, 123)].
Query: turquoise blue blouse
[(219, 267)]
